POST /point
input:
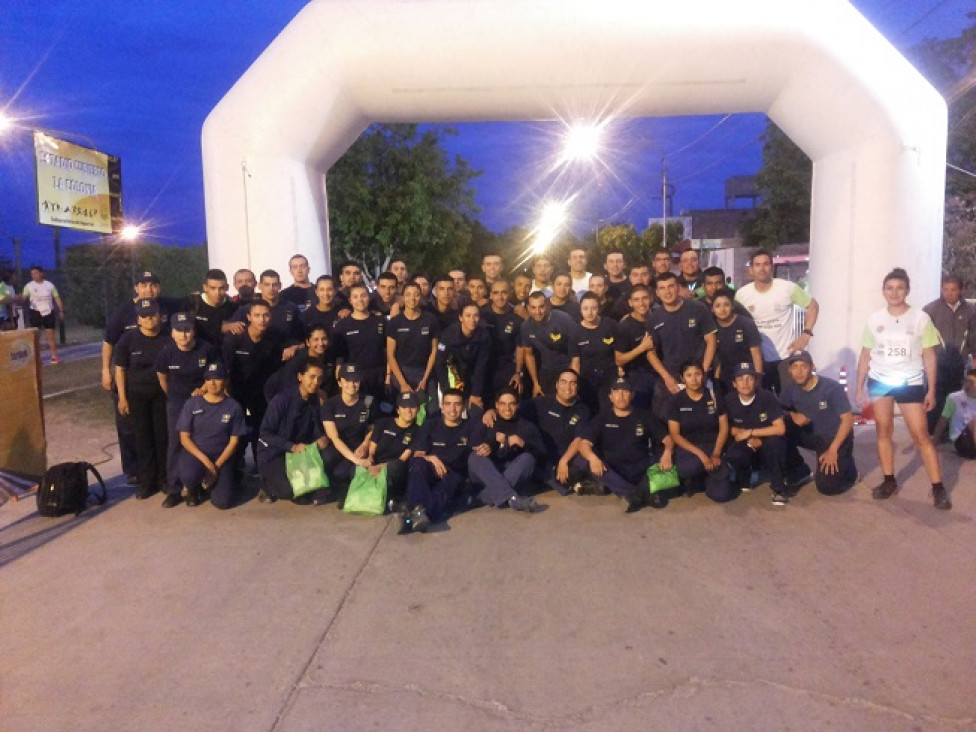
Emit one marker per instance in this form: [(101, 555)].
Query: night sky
[(137, 79)]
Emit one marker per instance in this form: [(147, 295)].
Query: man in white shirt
[(42, 296), (577, 270), (770, 302)]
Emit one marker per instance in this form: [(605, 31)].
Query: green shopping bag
[(421, 413), (367, 493), (661, 480), (305, 470)]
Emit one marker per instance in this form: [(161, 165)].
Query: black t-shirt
[(623, 443), (414, 338), (285, 323), (698, 420), (313, 316), (362, 342), (249, 365), (444, 319), (630, 333), (571, 308), (352, 421), (209, 318), (823, 405), (733, 344), (185, 370), (680, 335), (392, 440), (558, 423), (301, 297), (376, 305), (761, 412), (137, 354), (451, 444), (504, 332), (554, 340), (597, 347)]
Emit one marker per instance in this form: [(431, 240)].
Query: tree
[(619, 236), (651, 236), (785, 182), (395, 193)]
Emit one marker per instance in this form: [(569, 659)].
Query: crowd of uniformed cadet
[(570, 381)]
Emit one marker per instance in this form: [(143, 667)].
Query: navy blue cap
[(147, 276), (623, 384), (743, 368), (216, 370), (408, 399), (803, 356), (350, 372), (181, 321), (147, 308)]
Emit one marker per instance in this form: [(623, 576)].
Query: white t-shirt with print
[(772, 312), (41, 296)]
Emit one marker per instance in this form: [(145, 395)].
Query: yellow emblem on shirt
[(556, 336)]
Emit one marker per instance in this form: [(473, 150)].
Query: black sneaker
[(941, 498), (887, 488), (173, 499), (780, 499), (634, 503), (419, 519), (524, 503), (193, 497), (263, 497), (306, 499), (406, 523), (589, 487), (657, 500)]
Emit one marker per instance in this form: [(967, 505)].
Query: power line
[(700, 138)]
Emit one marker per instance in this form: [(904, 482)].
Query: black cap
[(146, 276), (408, 399), (623, 384), (181, 321), (743, 368), (350, 372), (803, 356), (216, 370), (147, 308)]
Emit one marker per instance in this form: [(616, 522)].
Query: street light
[(551, 222), (5, 122), (582, 142), (130, 232)]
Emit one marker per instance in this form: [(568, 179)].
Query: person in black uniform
[(383, 300), (251, 358), (563, 298), (391, 443), (316, 349), (560, 418), (325, 311), (146, 287), (300, 293), (210, 426), (360, 339), (632, 344), (553, 335), (737, 340), (411, 347), (516, 446), (596, 345), (284, 319), (699, 429), (291, 424), (141, 396), (444, 302), (758, 431), (212, 310), (463, 353), (439, 466), (616, 449), (505, 358), (180, 368), (682, 330), (348, 421)]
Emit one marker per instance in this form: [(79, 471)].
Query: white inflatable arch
[(874, 128)]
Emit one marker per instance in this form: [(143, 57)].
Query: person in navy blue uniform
[(251, 358), (141, 396), (632, 343), (325, 310), (563, 298), (212, 310), (360, 339), (291, 424), (553, 336), (464, 352), (180, 368), (617, 448), (439, 467), (300, 292), (284, 322), (516, 446), (758, 430), (681, 329), (210, 426), (411, 346), (383, 300), (737, 340), (596, 344), (347, 419), (699, 429), (391, 443), (560, 418), (818, 418), (505, 358), (146, 286), (316, 349)]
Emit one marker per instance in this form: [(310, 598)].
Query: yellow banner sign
[(72, 185)]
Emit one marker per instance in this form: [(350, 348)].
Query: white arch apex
[(875, 129)]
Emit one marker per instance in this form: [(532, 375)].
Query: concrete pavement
[(827, 613)]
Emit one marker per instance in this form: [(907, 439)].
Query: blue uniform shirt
[(211, 424)]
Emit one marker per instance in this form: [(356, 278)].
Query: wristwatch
[(808, 332)]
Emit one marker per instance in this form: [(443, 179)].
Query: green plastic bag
[(367, 494), (421, 413), (662, 480), (305, 470)]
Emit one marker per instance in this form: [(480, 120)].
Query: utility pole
[(664, 201), (17, 263), (57, 248)]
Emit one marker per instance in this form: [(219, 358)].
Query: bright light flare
[(5, 122), (582, 142), (130, 232), (554, 216)]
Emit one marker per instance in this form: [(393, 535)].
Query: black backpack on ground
[(64, 489)]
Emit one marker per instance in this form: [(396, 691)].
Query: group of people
[(468, 387), (41, 302)]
